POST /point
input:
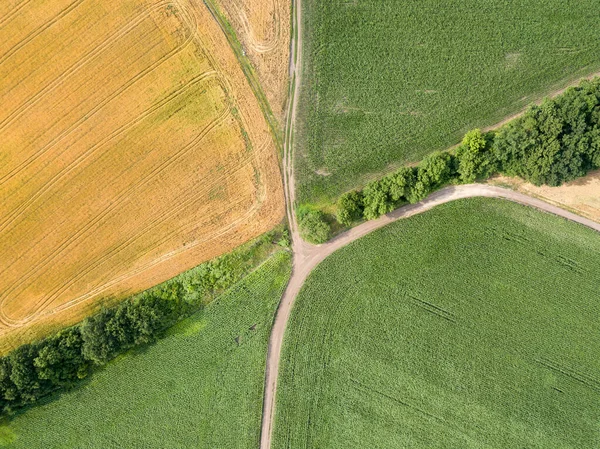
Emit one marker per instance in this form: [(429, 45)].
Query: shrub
[(475, 158), (350, 207), (313, 226), (285, 240)]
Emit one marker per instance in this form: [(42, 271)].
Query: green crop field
[(200, 387), (474, 325), (387, 81)]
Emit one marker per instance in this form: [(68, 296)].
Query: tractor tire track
[(14, 12), (33, 34), (79, 64), (117, 202), (90, 294), (140, 75)]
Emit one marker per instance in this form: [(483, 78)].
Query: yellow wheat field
[(131, 149), (263, 27)]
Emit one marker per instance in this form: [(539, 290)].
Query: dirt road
[(307, 257)]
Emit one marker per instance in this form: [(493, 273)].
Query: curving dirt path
[(308, 256)]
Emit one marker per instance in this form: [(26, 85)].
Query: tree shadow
[(585, 180)]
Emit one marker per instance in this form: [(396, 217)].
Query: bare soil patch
[(581, 196), (132, 148)]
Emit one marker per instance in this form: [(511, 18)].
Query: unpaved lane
[(300, 248), (307, 257)]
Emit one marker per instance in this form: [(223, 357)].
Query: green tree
[(313, 226), (350, 207), (555, 142), (24, 375), (99, 343), (435, 170), (474, 157), (60, 359), (376, 199), (401, 183), (9, 392)]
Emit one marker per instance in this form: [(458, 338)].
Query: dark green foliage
[(550, 144), (313, 225), (201, 388), (555, 142), (475, 158), (401, 183), (377, 199), (60, 358), (36, 370), (33, 371), (383, 196), (408, 184), (436, 169), (99, 342), (23, 374), (132, 323), (350, 207)]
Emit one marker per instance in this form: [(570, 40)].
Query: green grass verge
[(474, 325), (388, 81), (199, 387)]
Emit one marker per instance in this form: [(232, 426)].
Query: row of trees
[(555, 142), (35, 370), (552, 143), (408, 184)]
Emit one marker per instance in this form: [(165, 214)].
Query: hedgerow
[(551, 143), (33, 371), (555, 142), (200, 387), (385, 82)]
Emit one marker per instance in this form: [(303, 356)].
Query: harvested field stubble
[(581, 196), (263, 28), (132, 148)]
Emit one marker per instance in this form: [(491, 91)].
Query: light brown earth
[(131, 148), (263, 27), (581, 196)]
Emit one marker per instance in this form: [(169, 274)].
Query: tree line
[(552, 143), (35, 370), (60, 361)]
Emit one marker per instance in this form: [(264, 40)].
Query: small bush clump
[(314, 228)]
